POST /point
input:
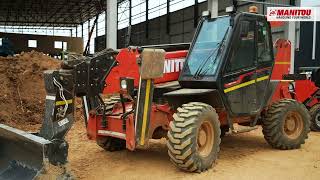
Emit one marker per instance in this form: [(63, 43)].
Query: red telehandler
[(229, 75)]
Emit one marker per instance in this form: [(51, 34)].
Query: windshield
[(204, 56)]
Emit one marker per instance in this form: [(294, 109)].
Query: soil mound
[(22, 92)]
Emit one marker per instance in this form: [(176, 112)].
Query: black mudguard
[(209, 96)]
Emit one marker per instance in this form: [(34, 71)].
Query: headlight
[(127, 85), (123, 84)]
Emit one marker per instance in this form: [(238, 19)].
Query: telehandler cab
[(229, 76)]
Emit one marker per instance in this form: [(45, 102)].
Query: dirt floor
[(242, 157)]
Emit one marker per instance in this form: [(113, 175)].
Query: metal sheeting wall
[(303, 56), (180, 28)]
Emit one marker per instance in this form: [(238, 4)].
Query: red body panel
[(161, 115), (282, 59), (276, 24), (127, 67), (304, 89)]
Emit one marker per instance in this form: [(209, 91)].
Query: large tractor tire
[(315, 117), (111, 143), (194, 137), (286, 124)]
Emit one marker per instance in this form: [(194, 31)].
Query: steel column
[(147, 19), (195, 13), (314, 41), (292, 37), (130, 12), (111, 24), (88, 35), (82, 31), (168, 16), (213, 8), (97, 25)]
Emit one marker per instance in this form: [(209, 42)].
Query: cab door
[(240, 76), (265, 61)]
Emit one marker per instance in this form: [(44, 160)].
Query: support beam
[(88, 35), (77, 31), (111, 24), (213, 8), (82, 30), (314, 41), (130, 12), (105, 27), (168, 16), (195, 13), (147, 19), (292, 39), (97, 25)]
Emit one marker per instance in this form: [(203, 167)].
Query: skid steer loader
[(229, 76)]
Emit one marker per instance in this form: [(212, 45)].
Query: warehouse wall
[(45, 44), (303, 55), (181, 27)]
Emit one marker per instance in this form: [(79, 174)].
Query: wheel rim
[(293, 125), (205, 139), (317, 119)]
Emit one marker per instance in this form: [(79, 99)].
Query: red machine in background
[(301, 87)]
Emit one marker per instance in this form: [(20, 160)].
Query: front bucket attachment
[(22, 155)]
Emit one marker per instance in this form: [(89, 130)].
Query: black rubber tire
[(110, 102), (274, 121), (111, 144), (182, 137), (314, 111)]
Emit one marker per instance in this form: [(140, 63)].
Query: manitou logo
[(273, 13), (292, 14), (173, 65)]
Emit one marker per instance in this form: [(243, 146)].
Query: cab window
[(263, 43), (243, 53)]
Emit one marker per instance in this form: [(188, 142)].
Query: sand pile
[(22, 92)]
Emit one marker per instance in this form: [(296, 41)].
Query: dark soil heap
[(22, 92)]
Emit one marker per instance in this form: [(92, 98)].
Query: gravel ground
[(242, 157)]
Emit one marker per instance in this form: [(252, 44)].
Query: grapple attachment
[(43, 156)]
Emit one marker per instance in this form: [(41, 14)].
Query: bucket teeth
[(18, 170)]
